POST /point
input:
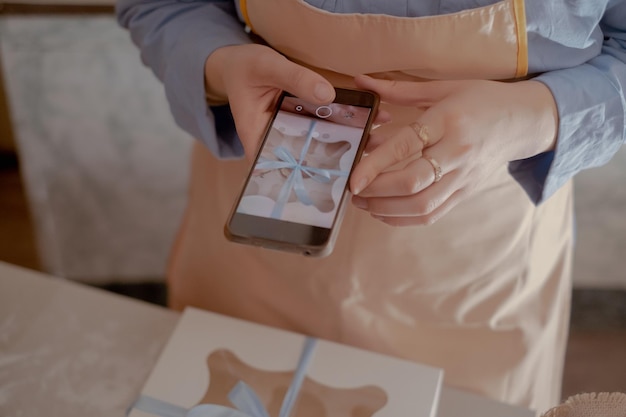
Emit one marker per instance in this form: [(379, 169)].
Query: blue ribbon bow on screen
[(295, 181), (242, 396)]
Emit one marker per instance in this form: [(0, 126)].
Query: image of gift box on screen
[(302, 171), (312, 165)]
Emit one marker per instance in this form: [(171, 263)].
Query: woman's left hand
[(468, 130)]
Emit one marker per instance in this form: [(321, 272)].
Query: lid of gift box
[(214, 364)]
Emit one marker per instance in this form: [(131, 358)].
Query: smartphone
[(296, 192)]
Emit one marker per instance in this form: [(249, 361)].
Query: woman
[(494, 106)]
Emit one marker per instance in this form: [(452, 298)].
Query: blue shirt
[(576, 48)]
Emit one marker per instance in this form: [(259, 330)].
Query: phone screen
[(303, 168)]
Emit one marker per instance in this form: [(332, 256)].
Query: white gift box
[(209, 354)]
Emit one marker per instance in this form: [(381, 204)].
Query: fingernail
[(360, 202), (323, 92), (360, 186)]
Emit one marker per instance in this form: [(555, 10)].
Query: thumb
[(299, 81), (407, 93)]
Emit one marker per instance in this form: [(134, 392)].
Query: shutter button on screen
[(323, 112)]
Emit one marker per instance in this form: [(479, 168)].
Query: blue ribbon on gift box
[(295, 181), (242, 396)]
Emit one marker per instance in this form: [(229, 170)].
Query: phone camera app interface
[(305, 162)]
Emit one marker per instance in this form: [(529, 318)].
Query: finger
[(407, 93), (420, 204), (404, 144), (396, 149), (425, 220), (411, 179), (251, 117), (382, 117), (278, 71), (373, 141)]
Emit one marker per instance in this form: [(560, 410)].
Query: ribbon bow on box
[(242, 396), (295, 180)]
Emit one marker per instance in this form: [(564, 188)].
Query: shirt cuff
[(591, 127)]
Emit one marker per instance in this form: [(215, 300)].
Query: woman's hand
[(251, 77), (467, 131)]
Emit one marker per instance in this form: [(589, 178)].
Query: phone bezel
[(289, 236)]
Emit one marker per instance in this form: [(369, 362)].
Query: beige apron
[(483, 293)]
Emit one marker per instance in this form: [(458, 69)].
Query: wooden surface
[(6, 132), (17, 241), (596, 362)]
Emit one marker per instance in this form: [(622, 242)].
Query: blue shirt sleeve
[(175, 38), (592, 110)]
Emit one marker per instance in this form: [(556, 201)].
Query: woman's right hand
[(251, 77)]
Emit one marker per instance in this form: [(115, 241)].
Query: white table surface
[(71, 350)]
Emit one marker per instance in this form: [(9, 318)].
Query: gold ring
[(436, 167), (421, 132)]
